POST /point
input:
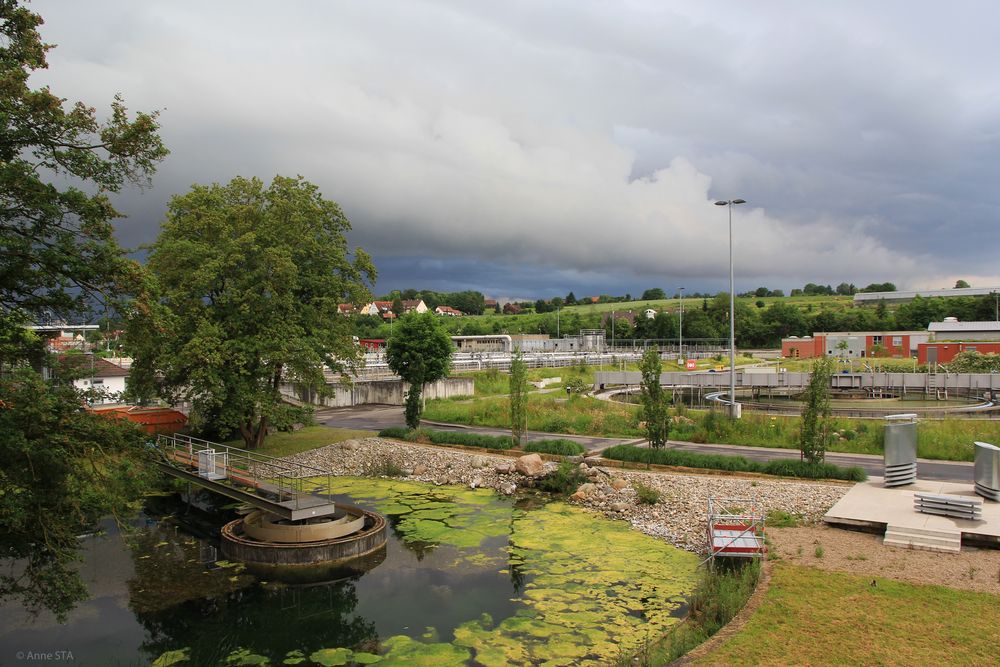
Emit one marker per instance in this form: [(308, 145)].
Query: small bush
[(561, 446), (782, 519), (575, 386), (566, 479), (819, 551), (385, 466), (398, 432), (647, 494)]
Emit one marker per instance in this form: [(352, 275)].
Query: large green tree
[(655, 406), (57, 249), (419, 351), (247, 279), (61, 469)]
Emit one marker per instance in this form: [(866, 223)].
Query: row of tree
[(757, 326)]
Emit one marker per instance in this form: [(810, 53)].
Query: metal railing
[(289, 480)]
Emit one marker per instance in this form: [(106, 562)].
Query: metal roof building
[(952, 329), (863, 298)]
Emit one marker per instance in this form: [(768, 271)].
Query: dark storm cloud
[(529, 149)]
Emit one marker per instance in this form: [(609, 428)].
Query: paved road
[(378, 417)]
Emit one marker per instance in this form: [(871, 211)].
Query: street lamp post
[(732, 309), (680, 330)]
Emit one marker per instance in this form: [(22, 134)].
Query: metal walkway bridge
[(286, 489)]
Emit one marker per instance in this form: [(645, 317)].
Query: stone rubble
[(679, 517)]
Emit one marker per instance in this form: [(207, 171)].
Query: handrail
[(250, 467)]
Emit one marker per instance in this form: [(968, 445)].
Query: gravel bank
[(678, 517)]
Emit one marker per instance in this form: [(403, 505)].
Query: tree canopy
[(57, 249), (655, 406), (62, 469), (247, 280), (419, 351)]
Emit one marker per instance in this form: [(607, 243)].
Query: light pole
[(680, 331), (732, 309)]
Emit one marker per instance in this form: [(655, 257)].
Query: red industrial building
[(854, 344), (372, 344), (945, 352)]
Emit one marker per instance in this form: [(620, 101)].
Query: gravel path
[(678, 517)]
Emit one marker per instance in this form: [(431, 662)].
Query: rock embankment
[(678, 516)]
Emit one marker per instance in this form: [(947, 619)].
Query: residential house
[(489, 304), (345, 308), (512, 309), (96, 373), (414, 306), (383, 308), (448, 311)]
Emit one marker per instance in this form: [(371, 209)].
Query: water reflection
[(465, 576)]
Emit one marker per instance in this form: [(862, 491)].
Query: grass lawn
[(310, 437), (816, 617), (945, 439)]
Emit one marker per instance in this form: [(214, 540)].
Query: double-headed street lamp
[(732, 309)]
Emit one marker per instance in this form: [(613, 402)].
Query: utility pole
[(680, 331)]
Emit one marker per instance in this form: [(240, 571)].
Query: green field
[(945, 439), (816, 617)]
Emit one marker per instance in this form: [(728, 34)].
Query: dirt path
[(864, 554)]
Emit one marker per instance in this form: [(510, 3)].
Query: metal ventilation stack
[(900, 449), (987, 471)]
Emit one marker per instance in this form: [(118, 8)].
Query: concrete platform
[(872, 507)]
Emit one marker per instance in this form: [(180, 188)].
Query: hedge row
[(449, 437), (783, 467), (559, 446)]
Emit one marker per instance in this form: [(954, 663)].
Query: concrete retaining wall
[(382, 392)]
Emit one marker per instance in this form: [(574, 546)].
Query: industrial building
[(854, 344), (952, 329), (872, 298), (943, 352)]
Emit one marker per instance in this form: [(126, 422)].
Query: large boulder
[(530, 465), (584, 491), (618, 484)]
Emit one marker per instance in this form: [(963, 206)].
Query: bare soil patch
[(864, 554)]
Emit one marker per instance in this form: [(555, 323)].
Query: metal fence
[(290, 480)]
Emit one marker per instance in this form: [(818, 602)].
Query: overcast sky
[(532, 148)]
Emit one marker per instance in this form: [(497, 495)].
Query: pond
[(468, 578)]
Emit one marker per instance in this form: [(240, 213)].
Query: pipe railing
[(243, 466)]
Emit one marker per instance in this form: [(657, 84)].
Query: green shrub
[(647, 494), (782, 519), (782, 467), (566, 479), (560, 446), (384, 466), (448, 437), (575, 386)]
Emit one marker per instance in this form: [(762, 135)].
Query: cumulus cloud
[(576, 141)]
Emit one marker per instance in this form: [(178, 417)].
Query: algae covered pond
[(467, 578)]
